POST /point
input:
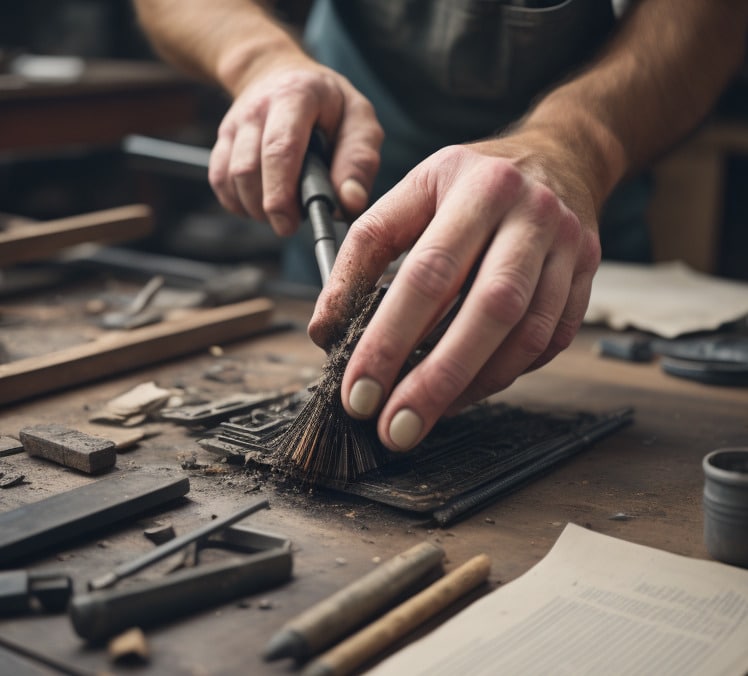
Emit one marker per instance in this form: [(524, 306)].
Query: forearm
[(656, 80), (222, 40)]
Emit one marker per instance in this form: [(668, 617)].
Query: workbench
[(110, 99), (643, 484)]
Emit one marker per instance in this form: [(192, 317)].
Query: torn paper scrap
[(667, 299)]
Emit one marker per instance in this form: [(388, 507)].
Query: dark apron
[(464, 68)]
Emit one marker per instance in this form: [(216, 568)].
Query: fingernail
[(353, 193), (365, 396), (405, 428), (281, 224)]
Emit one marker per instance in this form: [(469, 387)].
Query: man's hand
[(524, 205), (256, 161), (490, 202)]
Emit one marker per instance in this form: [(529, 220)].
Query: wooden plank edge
[(121, 351), (41, 240)]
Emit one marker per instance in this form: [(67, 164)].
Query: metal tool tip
[(286, 643)]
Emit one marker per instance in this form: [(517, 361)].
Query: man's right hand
[(256, 161)]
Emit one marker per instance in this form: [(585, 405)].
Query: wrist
[(243, 61), (575, 136)]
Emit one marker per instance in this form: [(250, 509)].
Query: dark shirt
[(465, 68)]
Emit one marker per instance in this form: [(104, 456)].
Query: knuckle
[(432, 272), (488, 383), (442, 382), (502, 178), (277, 201), (294, 83), (369, 232), (505, 298), (442, 165), (590, 252), (383, 353), (365, 158), (535, 333), (281, 147), (389, 349), (244, 166), (361, 107), (564, 334), (317, 87), (448, 155), (546, 205), (570, 227), (217, 177)]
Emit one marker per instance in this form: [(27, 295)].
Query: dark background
[(75, 180)]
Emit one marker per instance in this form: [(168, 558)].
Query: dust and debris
[(11, 480), (341, 561), (189, 461), (10, 446), (212, 470), (225, 371), (621, 516)]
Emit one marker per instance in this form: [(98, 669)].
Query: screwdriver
[(318, 202)]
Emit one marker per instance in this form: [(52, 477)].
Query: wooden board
[(121, 351), (37, 241)]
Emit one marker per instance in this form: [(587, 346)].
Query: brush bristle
[(324, 441)]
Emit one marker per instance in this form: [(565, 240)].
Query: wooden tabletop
[(641, 484)]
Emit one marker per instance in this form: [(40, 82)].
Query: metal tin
[(726, 505)]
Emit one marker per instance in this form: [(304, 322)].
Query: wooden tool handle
[(351, 653)]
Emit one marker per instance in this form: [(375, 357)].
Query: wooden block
[(43, 240), (70, 448)]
